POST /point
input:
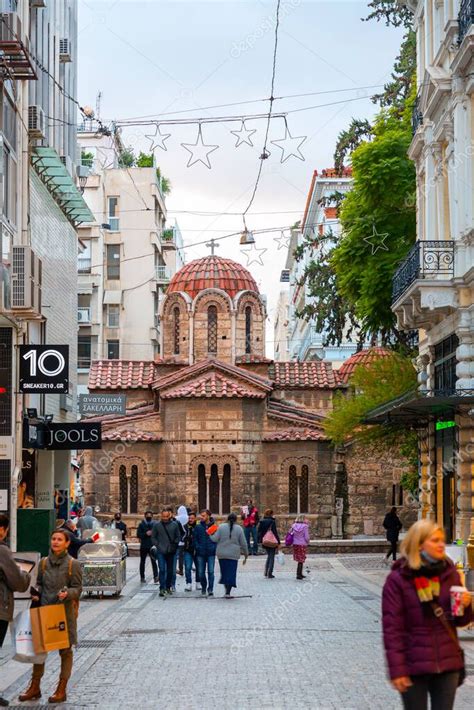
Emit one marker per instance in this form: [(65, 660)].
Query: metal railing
[(84, 265), (465, 18), (426, 259), (162, 273), (416, 116)]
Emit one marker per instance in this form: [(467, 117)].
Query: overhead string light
[(158, 139), (289, 145), (199, 150), (244, 135), (283, 240)]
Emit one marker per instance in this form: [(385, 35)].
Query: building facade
[(41, 209), (319, 223), (213, 421), (127, 255), (280, 329), (433, 288)]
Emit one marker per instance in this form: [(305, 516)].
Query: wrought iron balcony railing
[(416, 116), (425, 260), (163, 274), (465, 18)]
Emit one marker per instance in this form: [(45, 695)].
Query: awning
[(84, 290), (61, 185), (112, 296), (418, 408)]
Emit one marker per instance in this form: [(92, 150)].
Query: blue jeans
[(251, 530), (166, 564), (189, 559), (175, 564), (206, 584)]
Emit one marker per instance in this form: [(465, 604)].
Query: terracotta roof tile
[(216, 385), (304, 374), (364, 357), (212, 272), (295, 435), (249, 359), (121, 374)]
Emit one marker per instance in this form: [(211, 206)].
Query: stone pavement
[(290, 644)]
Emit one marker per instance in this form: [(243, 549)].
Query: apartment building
[(40, 211), (280, 330), (319, 220), (127, 256), (433, 288)]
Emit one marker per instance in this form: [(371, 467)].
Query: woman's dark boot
[(299, 571), (59, 695), (33, 691)]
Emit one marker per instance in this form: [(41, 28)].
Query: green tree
[(147, 160), (127, 158)]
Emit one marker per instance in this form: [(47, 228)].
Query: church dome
[(212, 272), (363, 357)]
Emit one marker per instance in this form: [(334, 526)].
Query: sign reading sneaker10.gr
[(44, 368), (102, 403)]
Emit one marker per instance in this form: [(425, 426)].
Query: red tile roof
[(121, 374), (294, 435), (194, 372), (297, 415), (212, 272), (364, 357), (214, 384), (132, 436), (252, 359), (304, 374)]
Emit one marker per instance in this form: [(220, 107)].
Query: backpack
[(74, 602)]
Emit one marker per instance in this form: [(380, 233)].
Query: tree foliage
[(397, 91), (348, 140), (370, 386), (393, 12)]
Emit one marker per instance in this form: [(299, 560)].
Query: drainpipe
[(13, 506)]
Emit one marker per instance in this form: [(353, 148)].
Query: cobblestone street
[(288, 645)]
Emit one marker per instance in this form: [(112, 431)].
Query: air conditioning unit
[(67, 162), (36, 122), (26, 280), (37, 3), (65, 50), (10, 25), (83, 315)]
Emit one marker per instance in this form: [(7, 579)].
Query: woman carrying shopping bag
[(422, 604), (269, 539), (231, 543), (59, 582), (299, 535)]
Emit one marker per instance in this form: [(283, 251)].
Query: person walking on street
[(231, 543), (12, 579), (419, 631), (87, 521), (144, 532), (76, 543), (392, 525), (59, 581), (165, 538), (182, 517), (300, 532), (118, 524), (267, 524), (250, 518), (190, 553), (205, 550)]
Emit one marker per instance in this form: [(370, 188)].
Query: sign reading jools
[(44, 368), (102, 403), (80, 435)]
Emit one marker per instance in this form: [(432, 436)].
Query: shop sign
[(80, 435), (44, 368), (102, 403)]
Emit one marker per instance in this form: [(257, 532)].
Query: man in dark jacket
[(205, 553), (76, 543), (11, 580), (190, 553), (144, 532), (392, 525), (165, 537)]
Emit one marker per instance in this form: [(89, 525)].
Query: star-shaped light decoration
[(244, 135), (199, 150), (283, 240), (290, 146), (158, 139), (254, 255), (376, 240)]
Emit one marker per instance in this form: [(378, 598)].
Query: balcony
[(162, 274), (84, 265), (84, 316), (465, 18), (168, 239), (416, 116)]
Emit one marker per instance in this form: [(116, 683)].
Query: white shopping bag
[(23, 640), (281, 558)]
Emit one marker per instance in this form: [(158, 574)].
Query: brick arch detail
[(128, 462), (248, 298), (212, 297), (219, 459), (173, 300), (298, 461)]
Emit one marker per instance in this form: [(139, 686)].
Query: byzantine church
[(212, 421)]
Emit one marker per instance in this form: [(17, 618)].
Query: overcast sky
[(153, 57)]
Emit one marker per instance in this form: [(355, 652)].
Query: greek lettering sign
[(81, 435), (102, 403), (44, 368)]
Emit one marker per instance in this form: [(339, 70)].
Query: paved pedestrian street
[(282, 644)]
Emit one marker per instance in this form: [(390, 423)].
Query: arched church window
[(123, 489), (176, 329), (133, 507), (293, 491), (202, 487), (212, 329), (304, 490), (248, 329)]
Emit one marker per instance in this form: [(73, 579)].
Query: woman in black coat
[(268, 523), (392, 525)]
